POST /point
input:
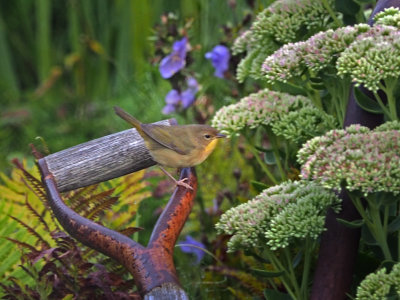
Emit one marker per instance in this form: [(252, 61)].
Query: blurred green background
[(65, 64)]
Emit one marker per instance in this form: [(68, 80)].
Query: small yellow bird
[(175, 146)]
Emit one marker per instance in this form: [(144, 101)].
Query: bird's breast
[(170, 158)]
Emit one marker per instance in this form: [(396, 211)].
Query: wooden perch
[(99, 160)]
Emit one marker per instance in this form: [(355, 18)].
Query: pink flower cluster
[(263, 107), (364, 160)]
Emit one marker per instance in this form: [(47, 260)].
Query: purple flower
[(175, 61), (219, 57), (189, 95), (186, 98), (190, 245)]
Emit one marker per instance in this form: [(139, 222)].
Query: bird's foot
[(183, 183)]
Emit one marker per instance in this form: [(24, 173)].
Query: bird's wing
[(166, 136)]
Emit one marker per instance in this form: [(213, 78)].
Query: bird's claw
[(183, 183)]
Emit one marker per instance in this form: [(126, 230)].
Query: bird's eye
[(207, 136)]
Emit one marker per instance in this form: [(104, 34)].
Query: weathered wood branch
[(99, 160)]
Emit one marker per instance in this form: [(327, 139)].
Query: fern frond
[(34, 183), (104, 205), (93, 200), (36, 214), (130, 230), (32, 231), (22, 244), (76, 195), (248, 280)]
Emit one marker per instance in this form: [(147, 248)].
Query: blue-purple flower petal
[(180, 47), (173, 97), (193, 84), (219, 57), (168, 109), (175, 61), (188, 97), (194, 250)]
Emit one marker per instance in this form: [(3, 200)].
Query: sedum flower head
[(285, 63), (378, 285), (303, 124), (282, 22), (278, 216), (392, 125), (316, 53), (390, 16), (364, 160), (374, 56), (261, 108), (242, 43), (285, 18)]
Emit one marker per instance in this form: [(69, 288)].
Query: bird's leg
[(177, 182)]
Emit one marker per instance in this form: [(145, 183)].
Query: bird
[(175, 146)]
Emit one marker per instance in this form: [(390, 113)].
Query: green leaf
[(386, 198), (256, 256), (348, 7), (394, 225), (367, 237), (316, 80), (267, 274), (297, 259), (276, 295), (388, 265), (366, 103), (269, 157), (258, 186), (262, 149), (351, 224)]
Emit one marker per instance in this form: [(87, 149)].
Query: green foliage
[(37, 254), (63, 70), (319, 67), (380, 285)]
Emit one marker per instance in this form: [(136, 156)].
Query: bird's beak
[(220, 135)]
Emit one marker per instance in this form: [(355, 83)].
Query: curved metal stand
[(152, 267)]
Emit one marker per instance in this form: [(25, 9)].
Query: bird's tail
[(128, 118)]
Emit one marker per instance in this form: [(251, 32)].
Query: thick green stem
[(388, 89), (292, 275), (308, 249), (262, 164), (284, 278), (374, 223), (382, 105), (378, 229)]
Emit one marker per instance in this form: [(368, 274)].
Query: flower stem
[(382, 105), (285, 277), (373, 222), (292, 275), (390, 85), (338, 23), (308, 248), (379, 232), (254, 151), (274, 144)]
